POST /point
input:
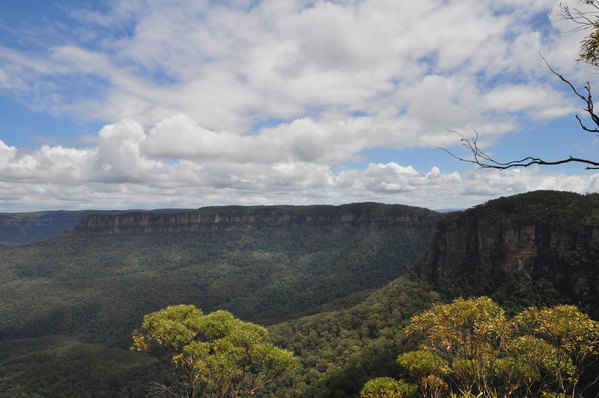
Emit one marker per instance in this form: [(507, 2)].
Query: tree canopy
[(217, 354), (472, 347)]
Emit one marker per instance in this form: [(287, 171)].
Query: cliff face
[(236, 218), (466, 246), (552, 236)]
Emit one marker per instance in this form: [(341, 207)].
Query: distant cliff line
[(232, 218), (241, 218)]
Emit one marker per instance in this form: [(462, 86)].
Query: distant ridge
[(24, 228), (241, 218)]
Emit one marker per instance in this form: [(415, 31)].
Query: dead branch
[(484, 160)]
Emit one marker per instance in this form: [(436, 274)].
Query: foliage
[(95, 287), (218, 355), (264, 275), (387, 387), (470, 335), (428, 369), (564, 210), (472, 348), (92, 289), (340, 350), (573, 337), (586, 18), (56, 366)]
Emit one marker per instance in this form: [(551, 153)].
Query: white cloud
[(228, 67), (121, 171), (541, 102), (259, 102)]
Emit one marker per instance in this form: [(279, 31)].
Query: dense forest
[(335, 285)]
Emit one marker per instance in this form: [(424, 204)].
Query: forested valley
[(335, 286)]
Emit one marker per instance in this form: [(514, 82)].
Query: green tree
[(387, 387), (573, 337), (217, 354), (428, 369), (471, 347), (469, 334)]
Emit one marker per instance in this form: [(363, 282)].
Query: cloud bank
[(279, 101)]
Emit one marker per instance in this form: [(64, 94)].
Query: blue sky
[(144, 104)]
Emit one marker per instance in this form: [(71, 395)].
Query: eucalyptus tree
[(473, 348), (216, 354)]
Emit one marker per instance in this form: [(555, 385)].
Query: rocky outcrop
[(466, 246), (236, 218), (548, 235)]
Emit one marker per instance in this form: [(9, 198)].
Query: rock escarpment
[(466, 246), (552, 236), (237, 218)]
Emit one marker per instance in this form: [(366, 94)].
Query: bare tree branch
[(587, 99), (484, 160)]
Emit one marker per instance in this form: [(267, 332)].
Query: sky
[(181, 104)]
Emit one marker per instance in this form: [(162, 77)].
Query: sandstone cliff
[(550, 236), (238, 218)]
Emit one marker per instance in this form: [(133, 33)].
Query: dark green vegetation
[(93, 286), (23, 228), (553, 236), (340, 350)]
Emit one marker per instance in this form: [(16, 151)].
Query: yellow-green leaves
[(428, 369), (216, 353), (421, 363), (472, 347), (572, 340), (387, 387), (173, 326), (465, 328)]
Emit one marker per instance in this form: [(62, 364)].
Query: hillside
[(341, 349), (79, 295), (93, 285), (539, 248), (24, 228)]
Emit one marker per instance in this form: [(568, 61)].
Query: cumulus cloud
[(229, 67), (131, 167), (277, 102)]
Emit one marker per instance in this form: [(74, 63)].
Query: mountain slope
[(340, 350), (93, 285), (539, 248), (264, 264)]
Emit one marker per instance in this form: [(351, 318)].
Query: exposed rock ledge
[(234, 218)]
